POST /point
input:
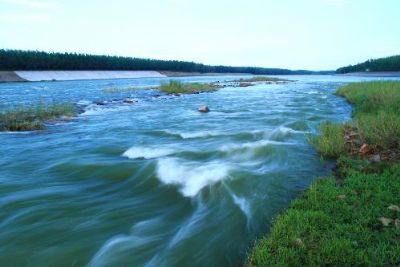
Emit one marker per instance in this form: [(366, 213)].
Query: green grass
[(330, 142), (338, 220), (33, 118), (261, 79), (377, 111), (337, 226), (372, 97), (177, 87), (376, 118)]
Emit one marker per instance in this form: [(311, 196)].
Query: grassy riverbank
[(352, 218), (33, 118)]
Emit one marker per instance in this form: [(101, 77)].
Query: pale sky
[(295, 34)]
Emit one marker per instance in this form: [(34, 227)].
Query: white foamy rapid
[(191, 177), (137, 152), (190, 135), (243, 205), (286, 130), (250, 145)]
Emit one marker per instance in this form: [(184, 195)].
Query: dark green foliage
[(382, 64), (37, 60)]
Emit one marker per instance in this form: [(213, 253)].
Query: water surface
[(157, 183)]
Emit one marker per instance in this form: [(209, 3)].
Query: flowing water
[(157, 183)]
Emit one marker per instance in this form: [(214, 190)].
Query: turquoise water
[(157, 183)]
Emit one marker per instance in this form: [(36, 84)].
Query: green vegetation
[(172, 87), (334, 225), (382, 64), (33, 118), (37, 60), (261, 79), (176, 87), (330, 142), (354, 217), (377, 113)]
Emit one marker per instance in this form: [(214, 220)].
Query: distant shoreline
[(71, 75)]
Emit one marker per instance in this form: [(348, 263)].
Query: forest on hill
[(39, 60), (373, 65)]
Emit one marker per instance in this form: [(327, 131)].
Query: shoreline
[(74, 75)]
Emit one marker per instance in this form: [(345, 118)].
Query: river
[(156, 183)]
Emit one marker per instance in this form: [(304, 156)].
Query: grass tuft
[(177, 87), (261, 79), (33, 118), (331, 141)]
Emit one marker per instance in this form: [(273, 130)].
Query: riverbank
[(353, 216), (373, 74)]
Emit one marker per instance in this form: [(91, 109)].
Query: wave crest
[(136, 152), (190, 177)]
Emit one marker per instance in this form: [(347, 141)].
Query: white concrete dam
[(35, 76)]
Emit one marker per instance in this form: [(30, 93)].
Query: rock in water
[(204, 109), (99, 103), (128, 101)]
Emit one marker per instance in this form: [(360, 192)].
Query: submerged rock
[(99, 103), (204, 109), (129, 100), (245, 84)]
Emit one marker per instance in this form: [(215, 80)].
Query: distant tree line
[(38, 60), (382, 64)]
